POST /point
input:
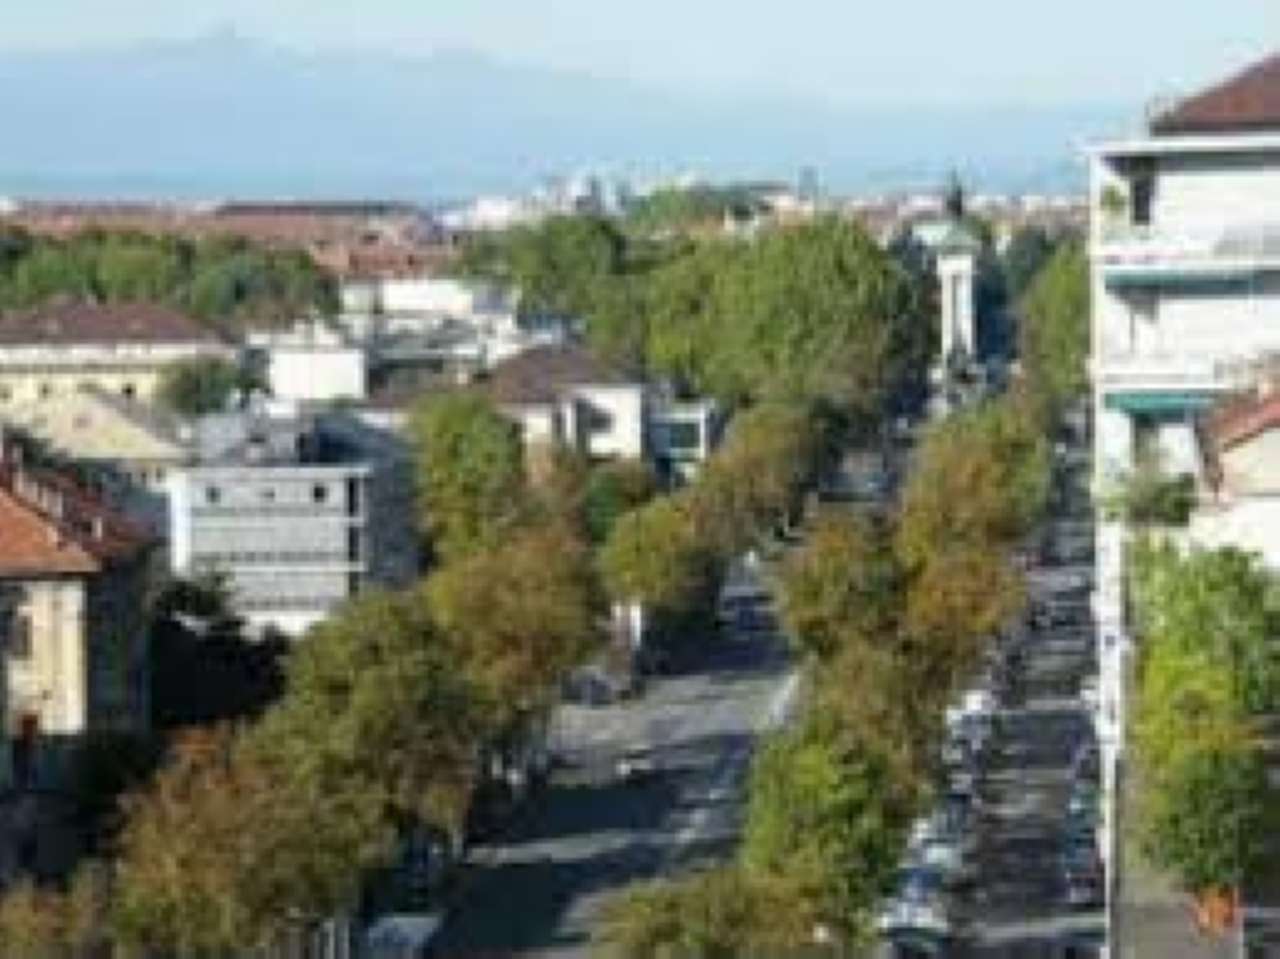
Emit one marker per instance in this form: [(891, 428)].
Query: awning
[(1224, 279), (1160, 402)]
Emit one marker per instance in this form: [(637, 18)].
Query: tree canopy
[(470, 470), (198, 386), (229, 283), (1053, 338)]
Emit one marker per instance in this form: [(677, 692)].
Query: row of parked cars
[(922, 917), (940, 860)]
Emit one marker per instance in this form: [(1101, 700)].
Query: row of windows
[(45, 390), (244, 557)]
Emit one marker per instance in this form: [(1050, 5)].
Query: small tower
[(957, 268)]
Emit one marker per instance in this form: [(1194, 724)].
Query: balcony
[(1146, 256)]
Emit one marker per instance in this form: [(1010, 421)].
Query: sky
[(849, 52)]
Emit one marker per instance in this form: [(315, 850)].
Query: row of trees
[(227, 282), (890, 613), (1208, 677)]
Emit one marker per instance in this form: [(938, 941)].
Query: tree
[(224, 850), (843, 586), (1029, 249), (613, 489), (1053, 338), (376, 701), (1209, 671), (719, 913), (520, 616), (471, 477), (198, 386), (979, 478), (653, 556), (824, 815)]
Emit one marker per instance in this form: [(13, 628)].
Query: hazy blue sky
[(852, 51)]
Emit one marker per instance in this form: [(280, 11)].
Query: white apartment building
[(1185, 249), (265, 508)]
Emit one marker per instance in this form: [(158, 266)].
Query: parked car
[(636, 764)]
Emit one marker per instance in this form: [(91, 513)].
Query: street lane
[(539, 891)]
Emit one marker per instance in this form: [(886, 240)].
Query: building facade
[(75, 575), (1185, 252), (265, 508), (130, 446), (120, 349)]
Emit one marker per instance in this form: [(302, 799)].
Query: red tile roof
[(71, 323), (1242, 419), (50, 526), (1249, 101)]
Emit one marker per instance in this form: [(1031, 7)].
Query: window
[(1142, 191), (20, 636), (45, 390), (6, 394), (128, 391), (212, 495), (319, 493), (269, 495)]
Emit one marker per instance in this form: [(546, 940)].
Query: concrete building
[(285, 522), (1185, 249), (121, 349), (130, 446), (75, 573)]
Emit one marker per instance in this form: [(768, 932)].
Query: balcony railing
[(1244, 243)]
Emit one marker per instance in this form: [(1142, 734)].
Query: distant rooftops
[(75, 323), (52, 525), (541, 374), (1247, 102)]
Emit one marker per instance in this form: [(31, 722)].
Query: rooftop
[(541, 374), (51, 525), (75, 324), (1247, 102)]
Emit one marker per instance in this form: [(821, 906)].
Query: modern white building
[(265, 508), (313, 363), (1185, 250)]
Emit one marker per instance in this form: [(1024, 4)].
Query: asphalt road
[(1017, 909), (539, 891)]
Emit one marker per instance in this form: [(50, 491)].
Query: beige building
[(133, 446), (121, 349), (75, 573)]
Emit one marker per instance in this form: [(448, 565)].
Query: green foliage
[(470, 471), (823, 816), (981, 478), (1148, 496), (520, 616), (681, 208), (198, 386), (724, 913), (1053, 339), (842, 586), (1209, 670), (376, 698), (813, 312), (228, 283), (654, 556), (615, 488), (1029, 250)]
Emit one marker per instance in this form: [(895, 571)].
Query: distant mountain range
[(225, 116)]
